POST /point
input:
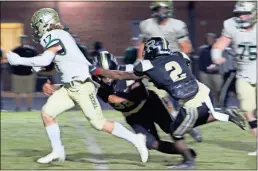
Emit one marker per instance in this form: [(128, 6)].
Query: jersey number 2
[(175, 71)]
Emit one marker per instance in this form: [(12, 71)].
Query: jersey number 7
[(175, 71)]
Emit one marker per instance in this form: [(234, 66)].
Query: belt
[(72, 83)]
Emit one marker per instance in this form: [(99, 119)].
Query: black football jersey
[(134, 91), (170, 73)]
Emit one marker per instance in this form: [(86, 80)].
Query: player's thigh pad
[(58, 103), (184, 122), (85, 96), (246, 94)]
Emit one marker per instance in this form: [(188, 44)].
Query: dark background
[(114, 23)]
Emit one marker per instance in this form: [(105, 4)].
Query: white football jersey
[(174, 31), (244, 45), (70, 62)]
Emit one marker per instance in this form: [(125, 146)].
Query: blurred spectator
[(23, 79), (229, 76), (97, 47), (130, 53), (82, 47), (209, 72)]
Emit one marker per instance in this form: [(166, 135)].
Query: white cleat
[(141, 147), (54, 155), (253, 153)]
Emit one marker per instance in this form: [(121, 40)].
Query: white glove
[(13, 58)]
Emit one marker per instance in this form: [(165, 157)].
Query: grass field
[(23, 141)]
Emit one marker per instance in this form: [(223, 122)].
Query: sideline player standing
[(78, 88), (176, 33), (241, 32)]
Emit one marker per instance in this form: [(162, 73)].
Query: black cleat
[(194, 154), (236, 117), (184, 165)]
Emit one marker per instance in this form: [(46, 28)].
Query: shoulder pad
[(229, 26), (142, 66), (50, 39)]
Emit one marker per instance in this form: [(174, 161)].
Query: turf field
[(23, 140)]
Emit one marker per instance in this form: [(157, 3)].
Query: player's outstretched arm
[(38, 61), (115, 75), (218, 48)]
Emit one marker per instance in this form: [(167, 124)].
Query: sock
[(121, 132), (167, 147), (181, 146), (53, 133)]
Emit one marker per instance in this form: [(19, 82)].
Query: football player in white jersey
[(161, 24), (241, 32), (78, 89)]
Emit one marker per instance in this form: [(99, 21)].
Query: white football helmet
[(245, 8), (41, 22)]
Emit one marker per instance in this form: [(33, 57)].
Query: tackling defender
[(241, 32), (140, 107), (169, 71), (176, 33), (78, 88)]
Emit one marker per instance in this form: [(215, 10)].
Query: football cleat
[(236, 117), (253, 153), (184, 165), (54, 155), (141, 147)]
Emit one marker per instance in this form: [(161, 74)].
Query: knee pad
[(253, 124), (98, 123)]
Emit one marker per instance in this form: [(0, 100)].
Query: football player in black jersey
[(141, 107), (170, 72)]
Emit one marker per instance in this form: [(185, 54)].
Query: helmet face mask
[(41, 22), (160, 10), (245, 13)]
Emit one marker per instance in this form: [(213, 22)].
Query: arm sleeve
[(226, 31), (42, 60)]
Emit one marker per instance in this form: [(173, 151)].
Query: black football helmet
[(106, 60), (155, 47)]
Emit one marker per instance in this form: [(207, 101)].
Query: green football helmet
[(41, 22), (161, 10)]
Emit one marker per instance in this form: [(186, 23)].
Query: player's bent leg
[(49, 112), (184, 122), (85, 96)]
